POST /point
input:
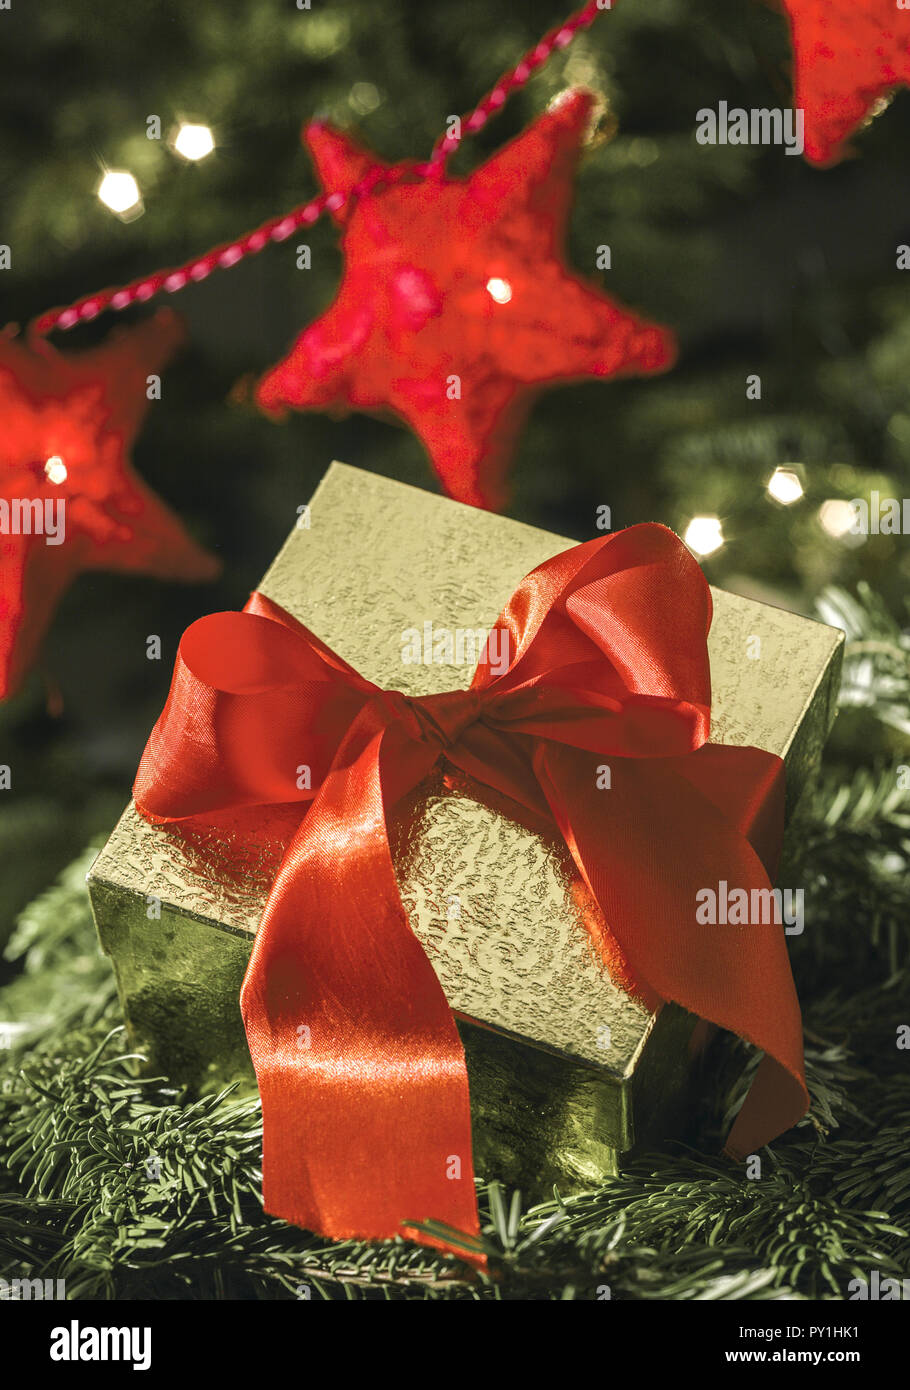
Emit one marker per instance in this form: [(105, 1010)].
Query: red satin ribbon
[(361, 1071)]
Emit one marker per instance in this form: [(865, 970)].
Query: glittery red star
[(456, 303), (67, 427), (847, 54)]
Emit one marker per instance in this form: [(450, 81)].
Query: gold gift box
[(567, 1071)]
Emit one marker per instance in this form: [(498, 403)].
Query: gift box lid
[(495, 905)]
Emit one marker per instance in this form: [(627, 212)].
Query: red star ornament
[(68, 423), (456, 303), (847, 54)]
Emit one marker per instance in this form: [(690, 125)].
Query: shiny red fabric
[(362, 1075)]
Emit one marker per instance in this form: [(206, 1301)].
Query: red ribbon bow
[(608, 659)]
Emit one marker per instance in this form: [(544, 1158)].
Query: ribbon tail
[(361, 1071), (771, 1107), (647, 847)]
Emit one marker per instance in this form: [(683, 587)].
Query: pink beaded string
[(280, 228)]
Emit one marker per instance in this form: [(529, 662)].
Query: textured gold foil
[(566, 1069)]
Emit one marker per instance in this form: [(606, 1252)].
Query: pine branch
[(876, 674)]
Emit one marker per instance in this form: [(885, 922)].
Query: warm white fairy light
[(55, 469), (365, 97), (704, 535), (194, 141), (785, 486), (836, 517), (119, 191), (499, 290)]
